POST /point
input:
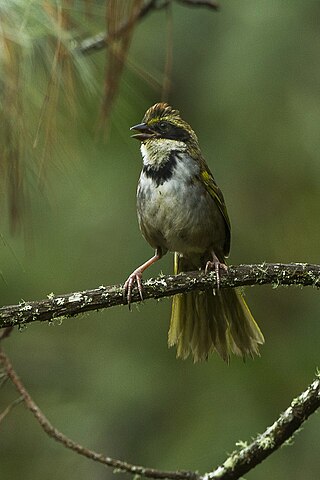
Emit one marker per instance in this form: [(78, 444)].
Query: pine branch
[(239, 462), (69, 305), (101, 40)]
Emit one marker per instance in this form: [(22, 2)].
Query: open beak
[(144, 130)]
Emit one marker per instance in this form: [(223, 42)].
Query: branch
[(9, 408), (201, 3), (102, 40), (71, 304), (54, 433), (239, 463)]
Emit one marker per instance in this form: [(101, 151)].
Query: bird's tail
[(204, 322)]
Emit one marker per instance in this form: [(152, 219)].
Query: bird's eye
[(163, 126)]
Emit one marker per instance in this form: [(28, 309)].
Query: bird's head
[(162, 122)]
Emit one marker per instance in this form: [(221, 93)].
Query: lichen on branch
[(71, 304)]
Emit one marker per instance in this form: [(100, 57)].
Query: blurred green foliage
[(247, 80)]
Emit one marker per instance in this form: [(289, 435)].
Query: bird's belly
[(179, 217)]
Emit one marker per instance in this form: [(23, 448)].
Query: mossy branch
[(236, 465), (242, 461), (71, 304)]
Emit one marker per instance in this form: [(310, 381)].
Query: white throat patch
[(155, 151)]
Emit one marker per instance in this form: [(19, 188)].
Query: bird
[(181, 209)]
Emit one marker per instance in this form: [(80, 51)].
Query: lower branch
[(72, 304), (50, 430), (239, 462)]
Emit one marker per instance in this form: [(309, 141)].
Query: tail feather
[(186, 329), (201, 340), (203, 322)]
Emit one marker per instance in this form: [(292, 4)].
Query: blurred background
[(248, 80)]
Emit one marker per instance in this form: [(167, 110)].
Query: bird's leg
[(136, 276), (215, 265)]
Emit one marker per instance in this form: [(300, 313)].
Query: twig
[(239, 462), (76, 447), (101, 40), (5, 332), (8, 409), (72, 304), (201, 3)]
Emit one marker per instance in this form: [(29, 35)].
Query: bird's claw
[(135, 276), (216, 266)]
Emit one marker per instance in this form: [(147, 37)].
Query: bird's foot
[(216, 265), (135, 277)]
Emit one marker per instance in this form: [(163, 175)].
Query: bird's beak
[(144, 130)]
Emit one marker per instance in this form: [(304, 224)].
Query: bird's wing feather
[(215, 192)]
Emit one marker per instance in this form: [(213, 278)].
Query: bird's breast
[(177, 213)]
